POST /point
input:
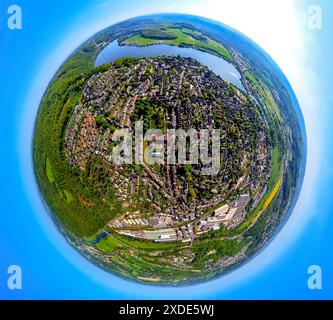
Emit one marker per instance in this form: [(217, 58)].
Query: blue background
[(51, 268)]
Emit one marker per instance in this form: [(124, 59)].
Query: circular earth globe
[(169, 149)]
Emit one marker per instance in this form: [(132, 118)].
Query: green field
[(49, 172), (69, 196), (141, 259), (275, 169), (184, 37), (264, 93), (108, 244), (274, 179)]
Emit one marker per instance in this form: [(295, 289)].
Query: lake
[(219, 66)]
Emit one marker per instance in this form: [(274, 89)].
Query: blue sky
[(28, 59)]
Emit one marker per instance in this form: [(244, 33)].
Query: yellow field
[(267, 203), (273, 194)]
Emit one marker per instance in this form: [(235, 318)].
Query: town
[(166, 199), (165, 227)]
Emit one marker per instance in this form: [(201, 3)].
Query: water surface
[(219, 66)]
